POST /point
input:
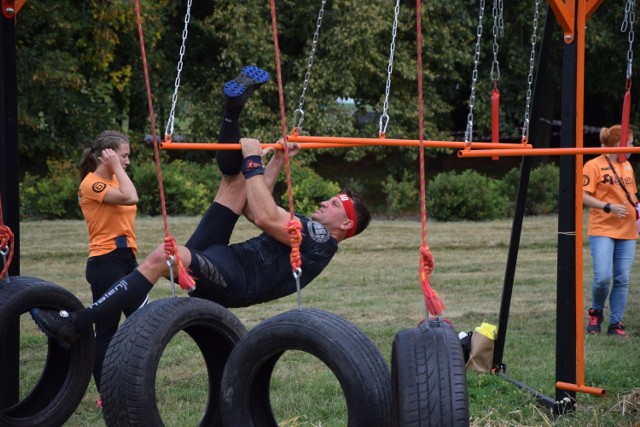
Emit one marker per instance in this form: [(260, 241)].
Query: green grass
[(373, 282)]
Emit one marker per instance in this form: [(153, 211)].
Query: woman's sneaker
[(595, 319), (238, 90), (617, 329)]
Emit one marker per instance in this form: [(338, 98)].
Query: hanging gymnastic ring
[(66, 373), (129, 370), (355, 361), (429, 382)]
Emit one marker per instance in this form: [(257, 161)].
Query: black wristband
[(607, 208), (252, 166)]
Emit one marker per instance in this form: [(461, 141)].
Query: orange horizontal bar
[(236, 146), (338, 142), (580, 388), (403, 142), (514, 152)]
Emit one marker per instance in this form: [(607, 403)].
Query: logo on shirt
[(585, 180), (99, 187), (318, 232)]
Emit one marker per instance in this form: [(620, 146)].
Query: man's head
[(344, 215)]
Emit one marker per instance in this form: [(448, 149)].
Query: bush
[(52, 197), (466, 196), (188, 187), (542, 194), (400, 196), (309, 189)]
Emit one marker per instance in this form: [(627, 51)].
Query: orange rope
[(432, 300), (184, 279), (294, 225), (6, 243)]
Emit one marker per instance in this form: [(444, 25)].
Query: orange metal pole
[(339, 142), (514, 152), (403, 142), (579, 323), (580, 388)]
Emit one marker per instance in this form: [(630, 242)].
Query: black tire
[(428, 377), (66, 373), (131, 363), (356, 362)]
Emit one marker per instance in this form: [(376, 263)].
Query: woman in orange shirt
[(609, 190), (108, 201)]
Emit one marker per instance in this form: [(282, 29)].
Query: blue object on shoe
[(238, 90)]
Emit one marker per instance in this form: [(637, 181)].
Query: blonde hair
[(609, 137)]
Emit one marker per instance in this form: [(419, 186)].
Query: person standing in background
[(609, 190), (108, 199)]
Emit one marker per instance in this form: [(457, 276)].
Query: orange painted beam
[(514, 152), (402, 142), (580, 388), (564, 12), (337, 142)]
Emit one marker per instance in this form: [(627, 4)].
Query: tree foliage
[(80, 72)]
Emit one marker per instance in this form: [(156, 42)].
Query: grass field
[(373, 283)]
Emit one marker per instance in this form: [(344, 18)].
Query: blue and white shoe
[(238, 90)]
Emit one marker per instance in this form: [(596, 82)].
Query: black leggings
[(101, 273)]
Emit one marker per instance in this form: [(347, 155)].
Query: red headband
[(347, 203)]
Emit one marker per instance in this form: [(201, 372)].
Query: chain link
[(498, 31), (474, 76), (185, 32), (532, 56), (627, 23), (298, 115), (384, 118)]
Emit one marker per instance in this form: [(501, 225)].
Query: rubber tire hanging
[(131, 363), (351, 356), (66, 373), (429, 382)]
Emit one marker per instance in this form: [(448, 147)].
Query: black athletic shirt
[(259, 269)]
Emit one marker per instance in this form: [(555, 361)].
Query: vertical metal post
[(9, 178), (566, 271), (521, 198)]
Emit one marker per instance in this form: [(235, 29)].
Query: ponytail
[(107, 139)]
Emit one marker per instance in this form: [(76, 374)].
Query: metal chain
[(384, 118), (474, 76), (498, 31), (627, 23), (534, 36), (298, 115), (185, 32)]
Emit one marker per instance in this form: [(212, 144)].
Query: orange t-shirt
[(110, 226), (600, 181)]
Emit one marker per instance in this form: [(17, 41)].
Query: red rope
[(433, 302), (6, 243), (171, 250), (293, 228)]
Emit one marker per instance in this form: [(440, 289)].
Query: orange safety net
[(185, 280)]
